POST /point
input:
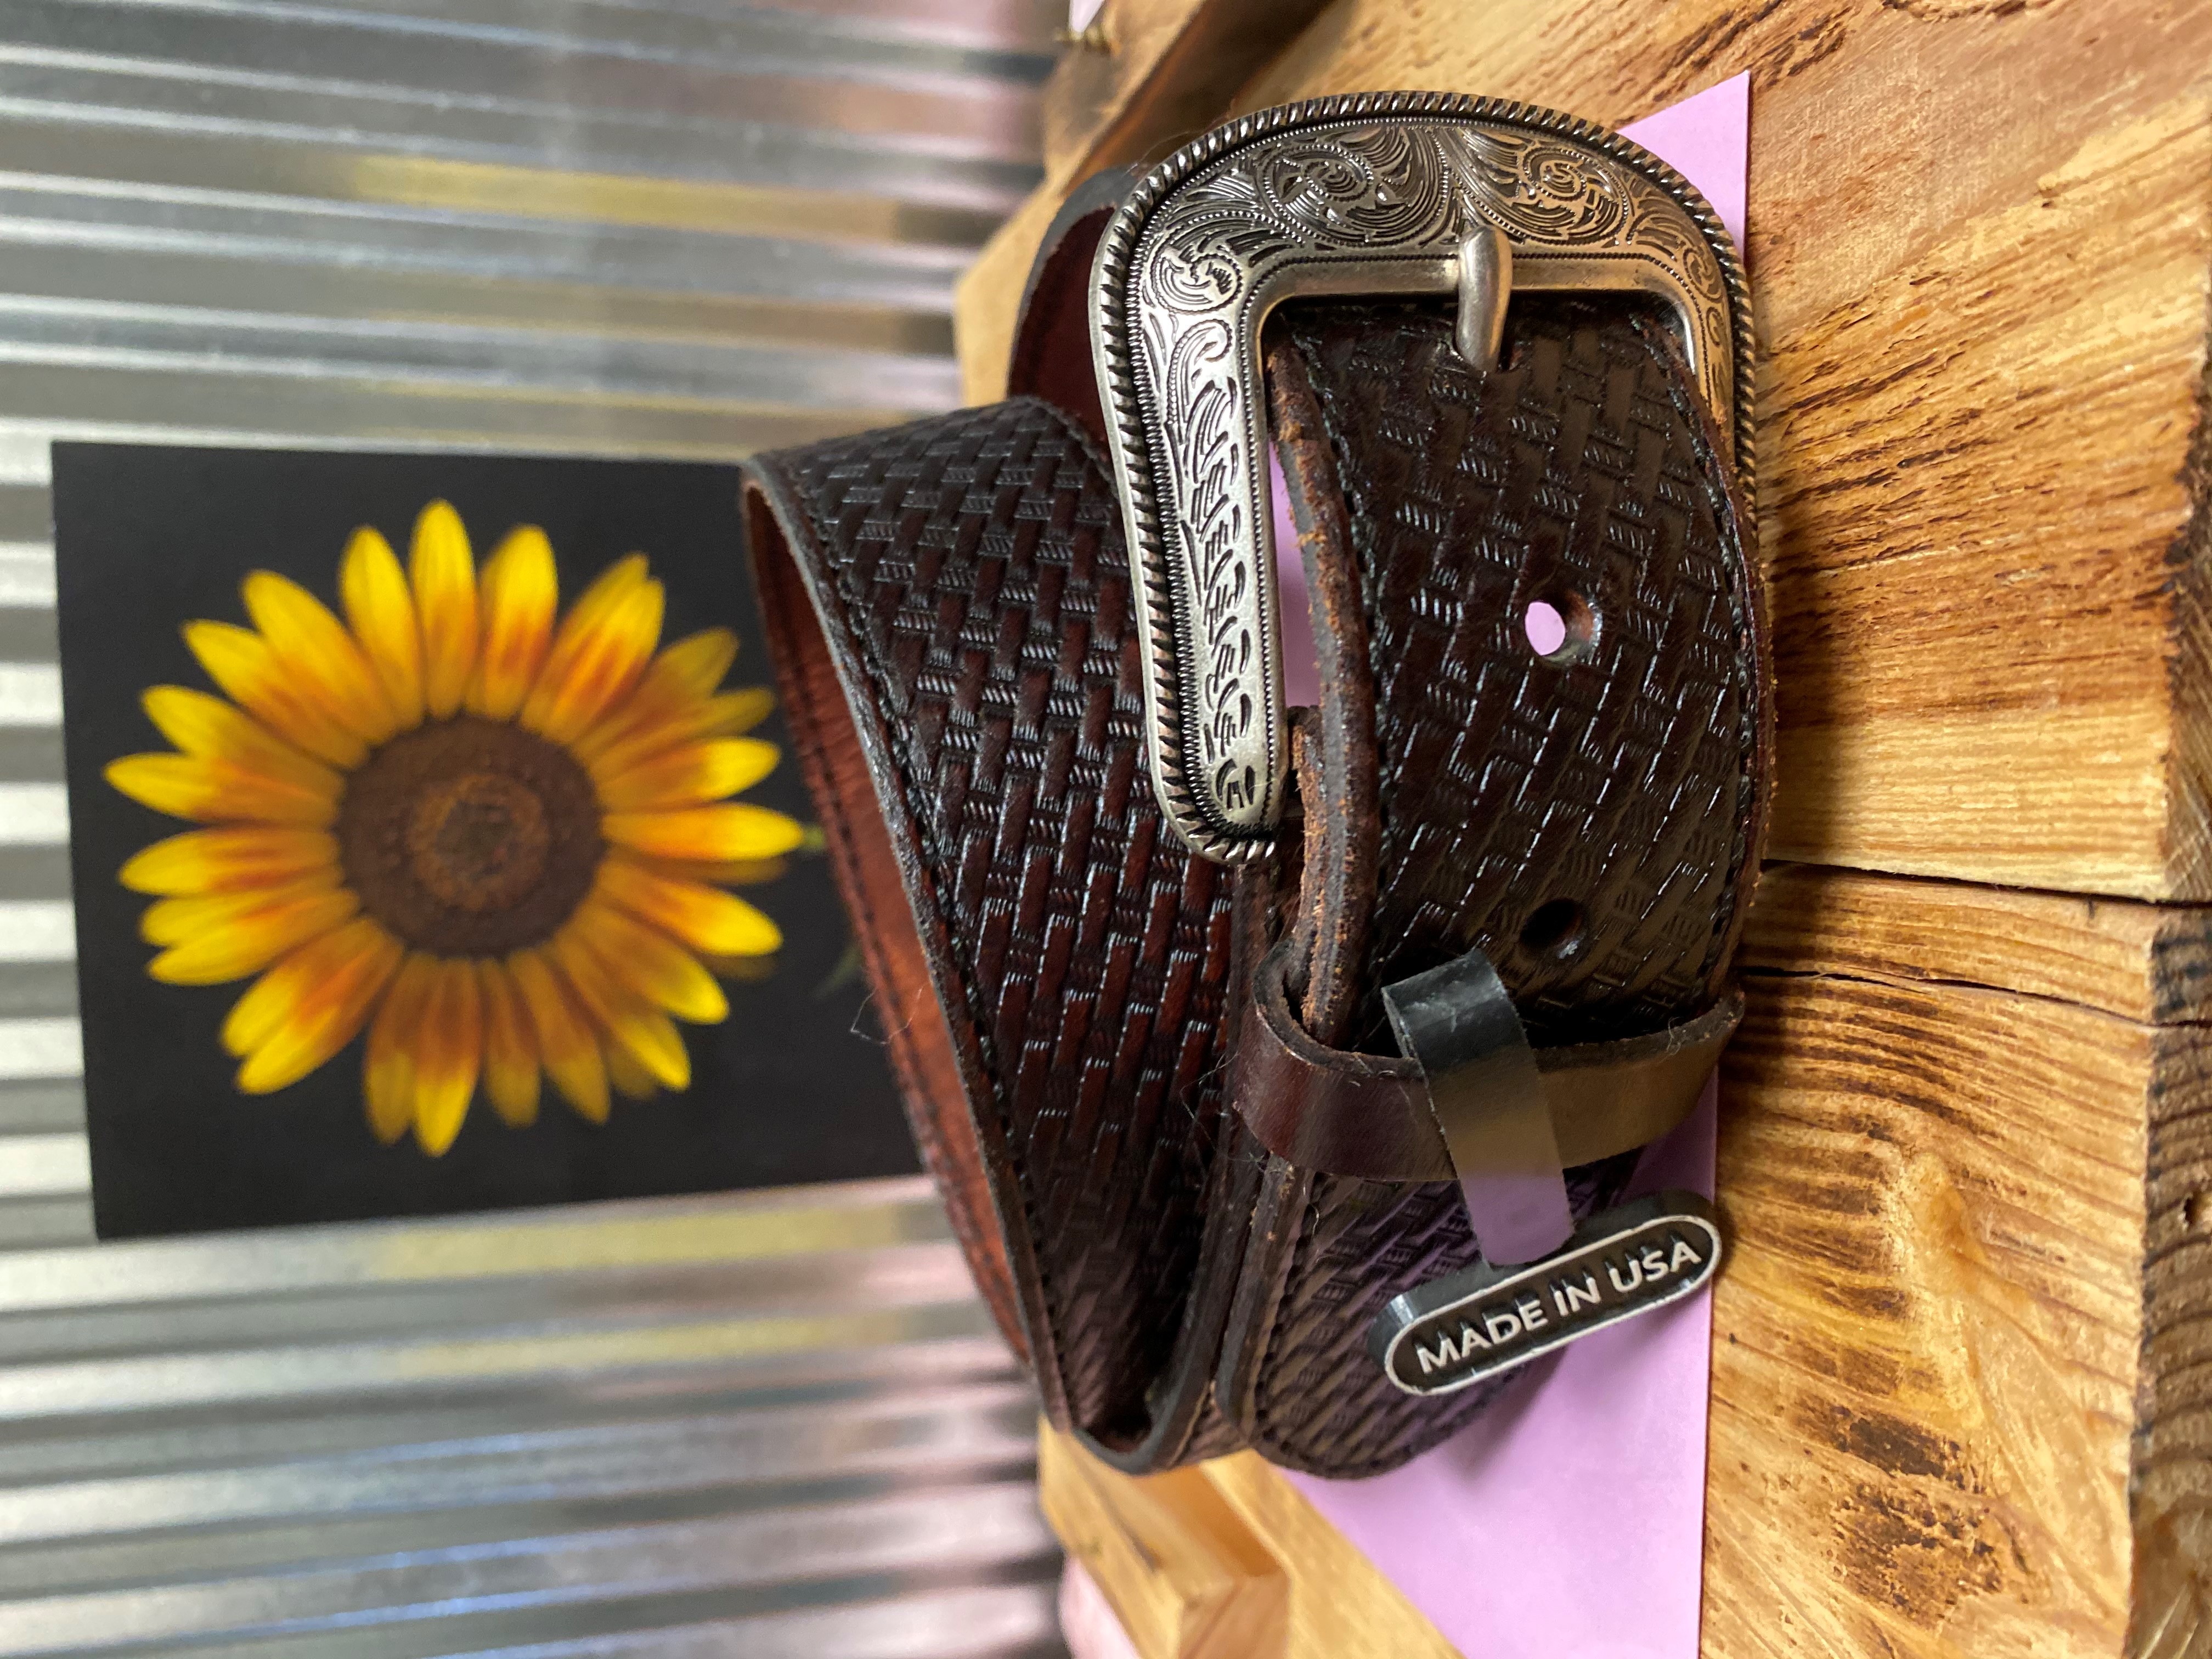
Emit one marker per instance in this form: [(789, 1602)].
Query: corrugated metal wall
[(760, 1424)]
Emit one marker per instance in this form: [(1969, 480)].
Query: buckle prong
[(1485, 284)]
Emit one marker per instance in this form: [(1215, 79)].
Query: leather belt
[(1158, 1088)]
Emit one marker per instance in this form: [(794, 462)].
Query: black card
[(536, 877)]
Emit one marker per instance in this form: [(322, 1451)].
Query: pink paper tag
[(1087, 1622), (1570, 1519)]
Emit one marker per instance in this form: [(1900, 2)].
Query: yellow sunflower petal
[(655, 1044), (214, 730), (274, 998), (240, 661), (602, 647), (521, 592), (174, 920), (607, 591), (313, 647), (709, 920), (648, 963), (224, 861), (687, 776), (382, 613), (749, 970), (683, 675), (706, 834), (631, 1080), (697, 663), (510, 1061), (719, 873), (388, 1066), (623, 1015), (249, 943), (565, 1037), (726, 714), (443, 576), (217, 792), (449, 1052), (326, 990)]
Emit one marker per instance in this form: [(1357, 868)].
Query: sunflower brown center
[(468, 837), (478, 842)]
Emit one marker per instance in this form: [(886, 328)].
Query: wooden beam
[(1148, 76), (1185, 1576), (1962, 1374), (2150, 964), (1963, 1353), (1340, 1607), (1151, 75), (1225, 1559), (988, 303), (1962, 1347)]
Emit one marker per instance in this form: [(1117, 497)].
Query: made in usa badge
[(1475, 1324)]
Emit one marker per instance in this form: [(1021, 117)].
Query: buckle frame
[(1377, 195)]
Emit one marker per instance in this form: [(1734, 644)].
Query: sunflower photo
[(435, 846)]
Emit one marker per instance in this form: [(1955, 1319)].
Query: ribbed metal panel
[(762, 1423)]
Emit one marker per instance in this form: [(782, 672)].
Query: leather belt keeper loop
[(1367, 1116), (1486, 1094)]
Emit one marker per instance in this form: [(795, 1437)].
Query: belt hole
[(1553, 929), (1560, 626)]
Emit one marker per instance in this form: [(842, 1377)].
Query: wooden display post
[(1962, 1354)]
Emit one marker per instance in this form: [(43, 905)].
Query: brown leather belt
[(1185, 1160)]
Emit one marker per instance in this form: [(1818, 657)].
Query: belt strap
[(948, 607), (1588, 819)]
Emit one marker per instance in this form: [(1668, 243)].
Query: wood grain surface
[(1225, 1559), (1962, 1374), (2146, 963), (1340, 1607), (1962, 1347), (1154, 74), (1185, 1575), (1979, 240)]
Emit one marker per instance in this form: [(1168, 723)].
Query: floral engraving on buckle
[(1377, 195)]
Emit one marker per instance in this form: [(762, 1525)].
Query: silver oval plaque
[(1484, 1321)]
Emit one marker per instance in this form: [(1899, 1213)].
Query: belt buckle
[(1378, 194)]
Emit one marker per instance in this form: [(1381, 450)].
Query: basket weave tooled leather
[(1065, 985)]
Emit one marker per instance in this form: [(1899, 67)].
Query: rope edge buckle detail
[(1374, 195)]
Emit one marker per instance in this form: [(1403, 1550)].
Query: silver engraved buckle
[(1377, 195)]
